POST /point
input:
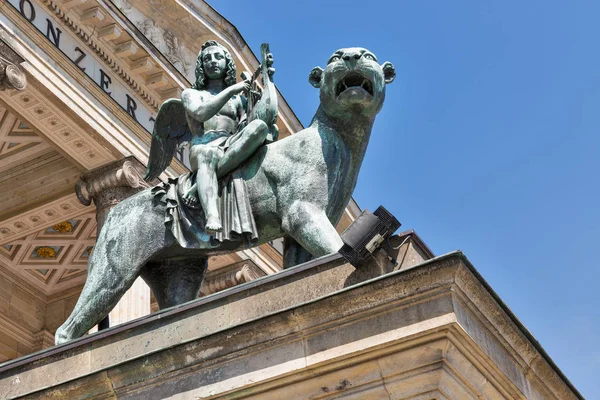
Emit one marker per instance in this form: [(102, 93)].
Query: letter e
[(105, 80)]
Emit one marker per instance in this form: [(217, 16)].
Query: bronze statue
[(296, 188), (216, 123)]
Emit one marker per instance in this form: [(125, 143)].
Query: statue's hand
[(243, 86)]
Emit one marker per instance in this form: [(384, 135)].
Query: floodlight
[(366, 234)]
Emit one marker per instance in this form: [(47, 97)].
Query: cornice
[(68, 19), (220, 24), (146, 44), (98, 128)]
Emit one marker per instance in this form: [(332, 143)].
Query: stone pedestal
[(434, 330), (106, 187)]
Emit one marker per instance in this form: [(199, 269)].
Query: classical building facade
[(81, 84)]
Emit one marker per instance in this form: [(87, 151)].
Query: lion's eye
[(370, 57), (334, 59)]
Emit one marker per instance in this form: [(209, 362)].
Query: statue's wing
[(170, 130)]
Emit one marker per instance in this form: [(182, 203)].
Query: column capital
[(11, 74), (108, 185)]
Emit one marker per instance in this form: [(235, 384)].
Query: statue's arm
[(202, 109)]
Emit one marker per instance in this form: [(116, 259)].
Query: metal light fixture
[(366, 234)]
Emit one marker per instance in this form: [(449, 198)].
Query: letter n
[(55, 33)]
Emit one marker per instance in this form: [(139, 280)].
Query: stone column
[(11, 75), (106, 187)]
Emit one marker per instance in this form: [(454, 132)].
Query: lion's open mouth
[(354, 80)]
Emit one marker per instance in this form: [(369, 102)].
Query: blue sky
[(488, 141)]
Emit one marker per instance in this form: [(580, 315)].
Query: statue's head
[(352, 82), (214, 62)]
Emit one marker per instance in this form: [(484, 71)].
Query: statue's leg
[(132, 234), (205, 160), (107, 281), (310, 227), (251, 138), (175, 282), (294, 253)]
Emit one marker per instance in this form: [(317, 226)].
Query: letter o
[(31, 10)]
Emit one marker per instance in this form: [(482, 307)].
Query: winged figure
[(171, 131), (223, 128)]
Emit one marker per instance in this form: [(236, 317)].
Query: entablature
[(65, 105), (177, 28)]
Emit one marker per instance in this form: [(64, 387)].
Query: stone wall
[(28, 318)]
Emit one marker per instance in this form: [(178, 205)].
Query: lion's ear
[(389, 72), (315, 76)]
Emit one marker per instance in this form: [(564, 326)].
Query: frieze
[(102, 71)]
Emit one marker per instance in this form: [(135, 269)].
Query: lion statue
[(298, 188)]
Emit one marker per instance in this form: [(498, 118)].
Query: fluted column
[(106, 187), (230, 276)]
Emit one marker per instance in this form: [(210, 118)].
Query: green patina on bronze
[(297, 188), (223, 130)]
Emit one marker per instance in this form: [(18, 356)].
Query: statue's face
[(353, 81), (214, 62)]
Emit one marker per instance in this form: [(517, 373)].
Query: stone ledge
[(435, 327)]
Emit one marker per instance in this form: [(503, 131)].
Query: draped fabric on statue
[(185, 218)]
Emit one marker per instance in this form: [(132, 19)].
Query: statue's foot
[(61, 336), (191, 193), (213, 225)]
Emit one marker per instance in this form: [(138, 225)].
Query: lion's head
[(352, 82)]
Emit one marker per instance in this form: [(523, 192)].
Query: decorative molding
[(9, 54), (162, 38), (265, 257), (16, 279), (110, 184), (64, 268), (93, 16), (121, 173), (16, 332), (52, 123), (42, 340), (41, 217), (19, 143)]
